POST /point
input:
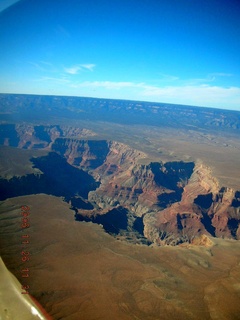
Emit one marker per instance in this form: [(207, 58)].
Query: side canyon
[(134, 198)]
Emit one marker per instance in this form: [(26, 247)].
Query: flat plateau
[(77, 271)]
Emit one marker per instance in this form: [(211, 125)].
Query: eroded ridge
[(112, 184)]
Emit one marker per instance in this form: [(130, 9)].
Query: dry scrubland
[(77, 271)]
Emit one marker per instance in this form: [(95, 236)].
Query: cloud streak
[(199, 95), (206, 95), (43, 66), (220, 74), (110, 85), (168, 77), (53, 80), (79, 67)]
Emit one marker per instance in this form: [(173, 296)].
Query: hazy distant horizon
[(119, 99)]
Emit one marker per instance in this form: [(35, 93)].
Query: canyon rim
[(142, 213)]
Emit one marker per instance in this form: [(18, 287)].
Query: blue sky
[(173, 51)]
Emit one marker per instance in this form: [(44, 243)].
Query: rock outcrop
[(28, 136), (204, 209), (88, 154), (166, 203)]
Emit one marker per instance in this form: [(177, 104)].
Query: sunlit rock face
[(82, 153), (203, 209), (29, 136), (162, 203)]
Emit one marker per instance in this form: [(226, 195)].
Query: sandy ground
[(77, 271)]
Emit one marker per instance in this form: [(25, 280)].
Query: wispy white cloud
[(211, 77), (89, 66), (53, 79), (220, 74), (208, 79), (46, 63), (79, 67), (109, 85), (46, 66), (167, 77), (202, 95), (60, 30), (37, 66), (43, 66), (199, 81), (199, 95), (72, 70)]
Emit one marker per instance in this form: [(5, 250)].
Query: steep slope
[(205, 208), (88, 154), (164, 203), (29, 136), (175, 201), (77, 271)]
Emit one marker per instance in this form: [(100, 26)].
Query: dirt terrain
[(113, 184), (77, 271), (133, 209)]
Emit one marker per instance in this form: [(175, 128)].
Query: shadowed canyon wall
[(106, 182)]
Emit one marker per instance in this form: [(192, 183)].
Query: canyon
[(112, 184), (134, 209)]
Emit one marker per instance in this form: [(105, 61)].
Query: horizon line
[(119, 99)]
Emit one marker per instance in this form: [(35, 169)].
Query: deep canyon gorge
[(133, 209), (112, 184)]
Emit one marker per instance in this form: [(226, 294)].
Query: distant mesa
[(28, 108)]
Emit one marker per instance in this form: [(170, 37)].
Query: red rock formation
[(177, 201), (28, 136)]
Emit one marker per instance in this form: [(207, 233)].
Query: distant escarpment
[(114, 185), (28, 136), (44, 108)]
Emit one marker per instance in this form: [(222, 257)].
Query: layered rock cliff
[(88, 154), (204, 208), (29, 136), (108, 182)]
